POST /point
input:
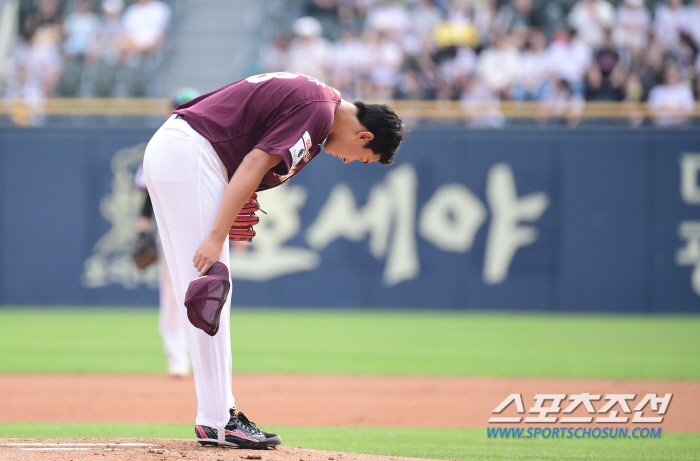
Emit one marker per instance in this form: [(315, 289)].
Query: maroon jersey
[(283, 113)]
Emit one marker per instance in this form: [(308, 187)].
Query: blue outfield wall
[(560, 220)]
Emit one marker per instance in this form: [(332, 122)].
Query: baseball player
[(204, 164), (146, 251)]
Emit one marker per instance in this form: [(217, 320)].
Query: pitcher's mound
[(161, 449)]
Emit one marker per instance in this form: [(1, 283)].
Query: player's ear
[(365, 136)]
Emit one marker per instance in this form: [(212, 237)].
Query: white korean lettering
[(388, 218), (690, 170), (451, 218), (517, 398), (543, 411), (653, 402), (506, 235), (690, 254), (576, 400), (620, 399)]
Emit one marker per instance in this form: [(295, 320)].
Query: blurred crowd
[(495, 50), (86, 48), (477, 52)]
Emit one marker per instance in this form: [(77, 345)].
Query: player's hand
[(208, 253)]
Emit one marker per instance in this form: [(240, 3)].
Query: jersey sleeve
[(296, 132)]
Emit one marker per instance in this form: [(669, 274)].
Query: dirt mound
[(161, 449)]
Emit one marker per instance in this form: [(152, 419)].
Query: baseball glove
[(242, 229), (144, 253)]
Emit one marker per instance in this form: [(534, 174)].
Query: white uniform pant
[(187, 181), (169, 322)]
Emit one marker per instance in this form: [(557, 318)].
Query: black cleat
[(207, 435), (239, 432)]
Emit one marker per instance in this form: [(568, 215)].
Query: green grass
[(367, 343), (447, 444)]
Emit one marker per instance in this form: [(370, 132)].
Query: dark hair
[(385, 125)]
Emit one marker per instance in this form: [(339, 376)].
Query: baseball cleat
[(239, 432), (206, 435)]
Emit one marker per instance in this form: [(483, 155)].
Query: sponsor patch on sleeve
[(300, 148)]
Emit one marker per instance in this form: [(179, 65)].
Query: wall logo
[(111, 261), (391, 221), (689, 231)]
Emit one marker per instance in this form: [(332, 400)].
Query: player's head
[(367, 132), (385, 125)]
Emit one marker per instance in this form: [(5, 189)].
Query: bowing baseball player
[(202, 169)]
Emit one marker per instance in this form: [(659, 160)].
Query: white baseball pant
[(169, 323), (187, 181)]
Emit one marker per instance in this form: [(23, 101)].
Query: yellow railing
[(405, 108)]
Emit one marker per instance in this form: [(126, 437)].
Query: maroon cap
[(206, 296)]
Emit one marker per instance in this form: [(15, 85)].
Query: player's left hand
[(208, 253)]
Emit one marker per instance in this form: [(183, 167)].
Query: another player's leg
[(170, 323)]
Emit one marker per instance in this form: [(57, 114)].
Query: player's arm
[(244, 182)]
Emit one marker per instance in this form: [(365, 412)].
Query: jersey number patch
[(265, 77)]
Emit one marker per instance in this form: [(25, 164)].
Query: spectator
[(483, 14), (352, 13), (606, 57), (450, 74), (479, 100), (385, 63), (532, 69), (104, 53), (569, 58), (42, 63), (498, 66), (691, 22), (390, 18), (47, 13), (633, 94), (590, 18), (518, 15), (326, 12), (601, 87), (686, 55), (424, 19), (561, 103), (632, 25), (671, 102), (668, 22), (459, 28), (79, 27), (652, 68), (106, 42), (276, 58), (33, 73), (309, 52), (144, 24), (349, 64)]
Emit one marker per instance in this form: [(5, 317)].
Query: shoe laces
[(245, 422)]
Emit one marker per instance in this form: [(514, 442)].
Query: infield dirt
[(161, 449), (292, 400)]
